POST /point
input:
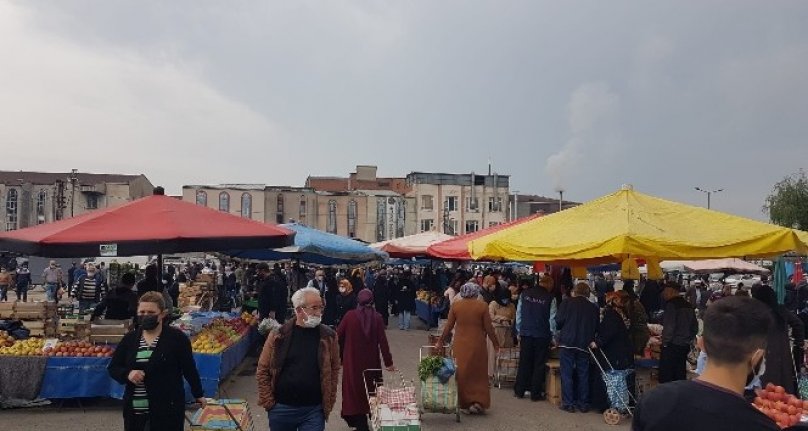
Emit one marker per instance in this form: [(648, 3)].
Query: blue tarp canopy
[(318, 247)]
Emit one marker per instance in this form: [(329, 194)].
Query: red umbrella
[(155, 224), (457, 247)]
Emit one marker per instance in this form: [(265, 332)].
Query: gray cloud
[(707, 94)]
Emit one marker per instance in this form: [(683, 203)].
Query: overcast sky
[(583, 96)]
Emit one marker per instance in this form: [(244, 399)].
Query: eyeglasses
[(314, 308)]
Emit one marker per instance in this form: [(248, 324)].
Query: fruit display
[(79, 349), (6, 340), (29, 347), (219, 335), (427, 296), (783, 408), (249, 319)]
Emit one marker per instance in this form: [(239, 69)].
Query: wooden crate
[(6, 310), (553, 382), (106, 339)]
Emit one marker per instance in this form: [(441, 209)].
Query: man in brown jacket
[(298, 371)]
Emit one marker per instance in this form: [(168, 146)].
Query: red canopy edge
[(457, 247)]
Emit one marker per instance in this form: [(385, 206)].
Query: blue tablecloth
[(88, 377), (427, 313)]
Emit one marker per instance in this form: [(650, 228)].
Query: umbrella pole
[(160, 270)]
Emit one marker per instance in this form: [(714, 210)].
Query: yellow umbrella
[(629, 223), (802, 235)]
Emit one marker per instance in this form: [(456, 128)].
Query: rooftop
[(17, 177)]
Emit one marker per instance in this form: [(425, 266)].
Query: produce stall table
[(88, 377), (428, 313)]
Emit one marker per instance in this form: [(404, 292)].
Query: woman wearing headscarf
[(471, 322), (781, 358), (503, 315), (346, 300), (614, 342), (361, 338)]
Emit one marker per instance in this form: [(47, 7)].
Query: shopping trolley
[(620, 398), (506, 360), (389, 402), (435, 396)]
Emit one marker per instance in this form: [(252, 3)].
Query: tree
[(787, 205)]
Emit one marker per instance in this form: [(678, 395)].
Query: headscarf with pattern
[(469, 290)]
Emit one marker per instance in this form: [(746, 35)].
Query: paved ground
[(507, 412)]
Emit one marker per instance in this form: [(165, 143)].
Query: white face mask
[(311, 320)]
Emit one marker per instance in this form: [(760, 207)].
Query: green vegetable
[(429, 366)]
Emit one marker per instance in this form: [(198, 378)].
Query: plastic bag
[(446, 371), (268, 325)]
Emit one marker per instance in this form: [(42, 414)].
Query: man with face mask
[(734, 339), (298, 371), (318, 282)]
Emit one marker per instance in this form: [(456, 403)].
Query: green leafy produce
[(429, 366)]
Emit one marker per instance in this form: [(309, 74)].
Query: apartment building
[(32, 198), (457, 204)]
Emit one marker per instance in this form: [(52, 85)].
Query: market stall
[(429, 308), (628, 225), (457, 248), (412, 245), (78, 369), (315, 246)]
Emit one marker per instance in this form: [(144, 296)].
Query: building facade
[(457, 204), (32, 198), (525, 205), (268, 204)]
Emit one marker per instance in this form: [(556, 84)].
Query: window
[(451, 229), (472, 226), (224, 202), (92, 201), (352, 218), (332, 217), (41, 197), (201, 198), (279, 209), (426, 202), (426, 225), (401, 214), (381, 220), (246, 205), (11, 209), (493, 223), (472, 204), (450, 203), (494, 204), (302, 215)]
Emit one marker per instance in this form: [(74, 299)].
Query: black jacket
[(170, 362), (381, 295), (614, 341), (577, 321), (680, 325), (119, 304), (272, 296), (406, 296), (345, 303)]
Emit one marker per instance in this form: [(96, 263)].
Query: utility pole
[(709, 194), (73, 179), (560, 200)]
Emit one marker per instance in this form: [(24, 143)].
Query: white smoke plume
[(591, 111)]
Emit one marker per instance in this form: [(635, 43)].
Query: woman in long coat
[(471, 322), (614, 340), (781, 357), (361, 338)]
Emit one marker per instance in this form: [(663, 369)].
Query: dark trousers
[(673, 363), (533, 353), (357, 422), (574, 363)]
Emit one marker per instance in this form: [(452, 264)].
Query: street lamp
[(709, 194)]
